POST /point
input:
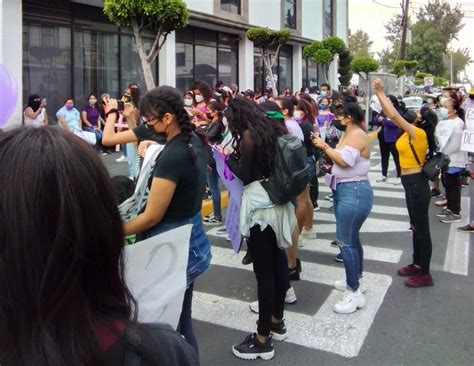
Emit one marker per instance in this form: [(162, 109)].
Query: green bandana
[(274, 114)]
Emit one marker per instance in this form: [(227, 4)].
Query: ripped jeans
[(352, 204)]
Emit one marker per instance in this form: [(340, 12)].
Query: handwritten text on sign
[(467, 142)]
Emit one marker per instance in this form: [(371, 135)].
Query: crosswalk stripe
[(326, 330), (457, 252), (370, 225), (377, 192), (370, 252), (379, 209)]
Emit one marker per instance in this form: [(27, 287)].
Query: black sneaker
[(251, 349), (338, 258), (298, 265), (247, 259), (435, 192), (294, 274), (278, 331), (334, 244)]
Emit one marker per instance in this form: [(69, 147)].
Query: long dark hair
[(308, 110), (204, 88), (166, 99), (348, 109), (429, 121), (270, 106), (61, 263), (457, 108), (34, 102), (243, 115)]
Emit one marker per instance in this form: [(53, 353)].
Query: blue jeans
[(185, 324), (213, 183), (352, 204), (132, 160)]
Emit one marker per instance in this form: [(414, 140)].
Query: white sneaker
[(396, 181), (308, 234), (382, 180), (122, 159), (341, 285), (290, 298), (351, 301)]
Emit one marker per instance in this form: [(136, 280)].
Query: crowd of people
[(67, 245)]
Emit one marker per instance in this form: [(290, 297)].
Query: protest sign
[(443, 132), (235, 188), (467, 141), (155, 273), (470, 119)]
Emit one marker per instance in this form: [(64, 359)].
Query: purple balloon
[(9, 95)]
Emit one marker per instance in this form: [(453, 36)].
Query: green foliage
[(401, 67), (394, 28), (359, 43), (439, 81), (266, 38), (322, 56), (310, 50), (150, 14), (345, 71), (335, 45), (461, 59), (364, 64), (388, 56)]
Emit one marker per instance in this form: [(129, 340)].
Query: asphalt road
[(399, 325)]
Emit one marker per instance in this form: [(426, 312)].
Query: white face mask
[(188, 102), (92, 101), (442, 100), (443, 113), (225, 122), (199, 98), (297, 115)]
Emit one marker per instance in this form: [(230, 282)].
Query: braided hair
[(166, 99)]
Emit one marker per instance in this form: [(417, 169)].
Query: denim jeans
[(352, 204), (132, 160), (185, 324), (418, 197), (213, 182)]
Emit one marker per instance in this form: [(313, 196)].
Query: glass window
[(205, 64), (228, 59), (327, 18), (258, 71), (290, 14), (130, 63), (232, 6), (96, 64), (184, 66), (312, 74), (47, 64)]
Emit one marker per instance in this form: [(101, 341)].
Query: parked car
[(413, 103)]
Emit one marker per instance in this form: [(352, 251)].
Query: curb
[(207, 208)]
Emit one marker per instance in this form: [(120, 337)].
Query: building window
[(232, 6), (328, 18), (290, 14), (310, 73), (282, 70), (205, 55)]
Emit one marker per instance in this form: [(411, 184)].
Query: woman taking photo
[(353, 198), (35, 114), (90, 118), (62, 263), (420, 135), (202, 96), (178, 181), (268, 226)]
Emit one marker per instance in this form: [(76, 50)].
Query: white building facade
[(69, 48)]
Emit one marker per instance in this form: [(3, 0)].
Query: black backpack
[(289, 176)]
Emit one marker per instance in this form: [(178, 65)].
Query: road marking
[(370, 225), (325, 330), (379, 209), (457, 252), (370, 252), (377, 192)]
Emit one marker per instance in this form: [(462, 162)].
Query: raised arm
[(110, 137), (390, 111)]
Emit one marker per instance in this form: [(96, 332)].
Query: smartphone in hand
[(120, 105)]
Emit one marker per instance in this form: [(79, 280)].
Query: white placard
[(467, 140), (443, 132), (155, 272), (470, 119)]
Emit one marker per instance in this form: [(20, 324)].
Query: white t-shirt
[(294, 128), (35, 122)]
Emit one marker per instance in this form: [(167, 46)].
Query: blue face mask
[(323, 93), (322, 106), (443, 113)]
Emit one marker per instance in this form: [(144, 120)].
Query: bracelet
[(111, 111), (325, 148)]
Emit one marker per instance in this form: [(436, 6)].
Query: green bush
[(322, 56), (264, 37), (335, 45), (310, 50), (364, 64)]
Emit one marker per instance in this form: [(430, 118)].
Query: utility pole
[(404, 28)]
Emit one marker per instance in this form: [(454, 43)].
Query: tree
[(388, 56), (446, 18), (322, 53), (362, 65), (394, 28), (403, 67), (158, 16), (359, 43), (269, 41), (345, 71), (461, 59), (427, 47)]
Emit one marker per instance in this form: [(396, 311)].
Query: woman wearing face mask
[(179, 179), (215, 137), (202, 96), (353, 198), (189, 102), (68, 116), (90, 118), (420, 135), (457, 163), (35, 114), (469, 102)]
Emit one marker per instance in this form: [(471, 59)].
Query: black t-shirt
[(175, 163), (307, 128)]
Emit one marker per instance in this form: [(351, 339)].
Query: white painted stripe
[(370, 225), (378, 167), (379, 209), (326, 330), (377, 192), (457, 252), (370, 252)]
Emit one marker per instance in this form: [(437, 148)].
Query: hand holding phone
[(120, 105)]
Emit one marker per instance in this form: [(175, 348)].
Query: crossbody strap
[(413, 151)]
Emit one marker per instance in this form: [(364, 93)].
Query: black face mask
[(471, 96), (339, 125)]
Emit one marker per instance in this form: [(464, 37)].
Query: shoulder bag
[(434, 165)]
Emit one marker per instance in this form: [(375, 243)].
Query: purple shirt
[(325, 117), (92, 114), (391, 132)]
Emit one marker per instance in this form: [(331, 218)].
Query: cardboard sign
[(470, 119), (467, 141), (155, 272), (443, 132)]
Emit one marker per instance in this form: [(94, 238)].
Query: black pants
[(387, 148), (314, 190), (418, 197), (271, 269), (453, 192)]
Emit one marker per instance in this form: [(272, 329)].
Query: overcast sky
[(370, 16)]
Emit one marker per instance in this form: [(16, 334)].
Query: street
[(398, 326)]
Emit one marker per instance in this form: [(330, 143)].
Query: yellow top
[(420, 143)]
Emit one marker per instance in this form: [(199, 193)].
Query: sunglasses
[(149, 121)]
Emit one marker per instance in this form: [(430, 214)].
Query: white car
[(413, 103)]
